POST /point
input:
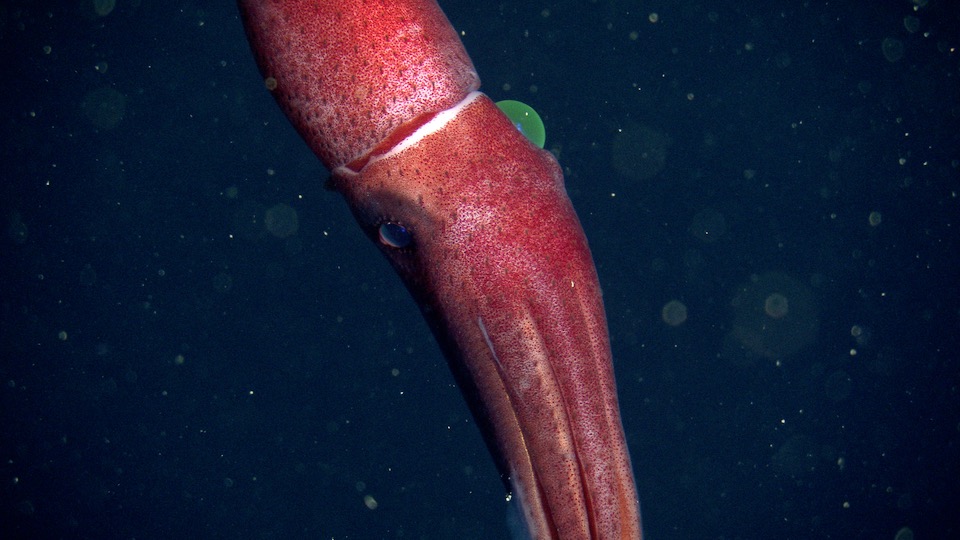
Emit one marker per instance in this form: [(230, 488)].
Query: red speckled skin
[(348, 73), (498, 263), (496, 240)]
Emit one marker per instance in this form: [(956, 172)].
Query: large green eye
[(526, 119)]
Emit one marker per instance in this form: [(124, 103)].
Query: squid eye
[(395, 235)]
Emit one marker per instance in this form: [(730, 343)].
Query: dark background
[(171, 367)]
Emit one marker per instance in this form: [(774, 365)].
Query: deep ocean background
[(180, 358)]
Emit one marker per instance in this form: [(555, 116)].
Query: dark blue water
[(180, 359)]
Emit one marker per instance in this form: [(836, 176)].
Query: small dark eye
[(395, 235)]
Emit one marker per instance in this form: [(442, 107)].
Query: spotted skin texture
[(501, 267), (349, 73), (496, 259)]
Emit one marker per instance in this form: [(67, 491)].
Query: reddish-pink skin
[(348, 73), (498, 263)]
